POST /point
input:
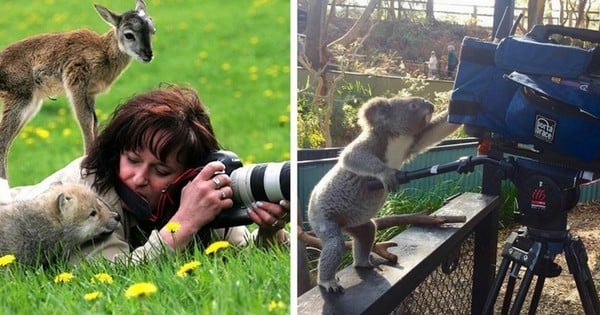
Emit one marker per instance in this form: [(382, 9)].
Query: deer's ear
[(140, 6), (107, 15)]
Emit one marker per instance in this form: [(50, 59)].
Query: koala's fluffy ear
[(373, 113)]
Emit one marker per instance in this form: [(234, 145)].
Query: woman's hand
[(202, 200), (271, 218)]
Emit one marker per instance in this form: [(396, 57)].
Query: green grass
[(236, 54), (229, 282)]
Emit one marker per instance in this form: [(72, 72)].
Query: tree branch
[(385, 222)]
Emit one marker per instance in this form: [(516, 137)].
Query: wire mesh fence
[(447, 290)]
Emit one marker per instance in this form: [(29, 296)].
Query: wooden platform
[(420, 250)]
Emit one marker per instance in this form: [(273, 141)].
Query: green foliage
[(344, 127), (230, 281), (414, 39), (407, 201), (309, 134), (235, 54)]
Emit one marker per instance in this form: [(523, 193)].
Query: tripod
[(545, 194), (535, 250)]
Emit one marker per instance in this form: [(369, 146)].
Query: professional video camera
[(533, 95), (254, 182), (538, 101)]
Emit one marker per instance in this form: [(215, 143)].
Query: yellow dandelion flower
[(67, 132), (103, 278), (92, 296), (275, 305), (253, 40), (183, 25), (250, 159), (253, 69), (173, 226), (42, 133), (209, 27), (7, 260), (268, 93), (59, 18), (202, 55), (268, 146), (283, 119), (140, 289), (187, 268), (64, 277), (216, 246), (225, 66), (273, 71)]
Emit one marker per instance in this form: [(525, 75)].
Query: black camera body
[(254, 182)]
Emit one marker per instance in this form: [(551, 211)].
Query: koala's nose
[(428, 106)]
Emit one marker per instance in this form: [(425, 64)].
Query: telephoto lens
[(266, 182)]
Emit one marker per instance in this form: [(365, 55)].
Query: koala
[(44, 228), (393, 130)]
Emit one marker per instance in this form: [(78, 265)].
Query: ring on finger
[(223, 195), (275, 224), (217, 182), (284, 216)]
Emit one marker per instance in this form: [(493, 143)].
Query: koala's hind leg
[(331, 254), (363, 237)]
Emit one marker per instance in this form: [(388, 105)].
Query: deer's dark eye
[(129, 36)]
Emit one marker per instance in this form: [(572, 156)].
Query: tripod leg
[(577, 259), (488, 308), (523, 288), (510, 288), (537, 293)]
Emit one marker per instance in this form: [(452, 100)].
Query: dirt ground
[(560, 295)]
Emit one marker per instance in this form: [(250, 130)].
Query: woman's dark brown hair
[(170, 119)]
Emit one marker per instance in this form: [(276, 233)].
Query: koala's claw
[(390, 181), (332, 286)]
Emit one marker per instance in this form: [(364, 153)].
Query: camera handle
[(463, 165)]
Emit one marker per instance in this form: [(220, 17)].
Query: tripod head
[(545, 192)]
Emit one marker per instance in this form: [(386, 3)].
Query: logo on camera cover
[(544, 128)]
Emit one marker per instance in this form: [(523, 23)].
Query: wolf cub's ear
[(63, 202)]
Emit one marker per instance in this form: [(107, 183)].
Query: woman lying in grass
[(150, 143)]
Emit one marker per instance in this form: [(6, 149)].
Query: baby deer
[(79, 63)]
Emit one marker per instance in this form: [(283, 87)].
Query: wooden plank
[(420, 250)]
